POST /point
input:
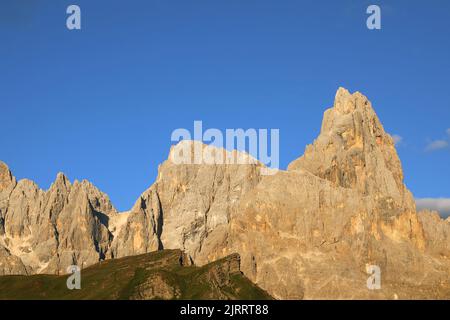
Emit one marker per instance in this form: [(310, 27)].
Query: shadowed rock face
[(308, 232)]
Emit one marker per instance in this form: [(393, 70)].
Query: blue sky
[(100, 103)]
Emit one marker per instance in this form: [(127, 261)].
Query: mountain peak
[(6, 177), (61, 182), (344, 208), (61, 177), (354, 151), (346, 102)]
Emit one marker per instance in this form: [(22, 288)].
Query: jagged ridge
[(307, 232)]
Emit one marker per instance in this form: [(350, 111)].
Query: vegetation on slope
[(156, 275)]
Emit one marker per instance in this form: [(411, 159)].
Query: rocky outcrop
[(217, 276), (10, 264), (7, 184), (50, 230), (188, 207), (300, 237), (437, 232), (353, 151), (311, 231), (140, 229), (308, 232)]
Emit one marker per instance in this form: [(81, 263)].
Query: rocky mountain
[(437, 232), (308, 232), (188, 207), (47, 231)]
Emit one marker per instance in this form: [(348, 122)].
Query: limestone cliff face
[(354, 151), (10, 264), (309, 232), (304, 233), (49, 230), (7, 184), (437, 232), (301, 237), (139, 230), (188, 207)]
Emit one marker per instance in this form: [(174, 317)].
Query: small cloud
[(437, 145), (442, 205), (397, 139), (443, 143)]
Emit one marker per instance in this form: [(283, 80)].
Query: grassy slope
[(120, 278)]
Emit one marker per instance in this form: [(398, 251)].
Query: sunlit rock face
[(47, 231), (354, 151), (189, 207), (310, 232), (305, 233)]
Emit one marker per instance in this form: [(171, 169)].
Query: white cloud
[(442, 205), (397, 139), (437, 145)]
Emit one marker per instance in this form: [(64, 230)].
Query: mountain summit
[(354, 151), (309, 232)]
